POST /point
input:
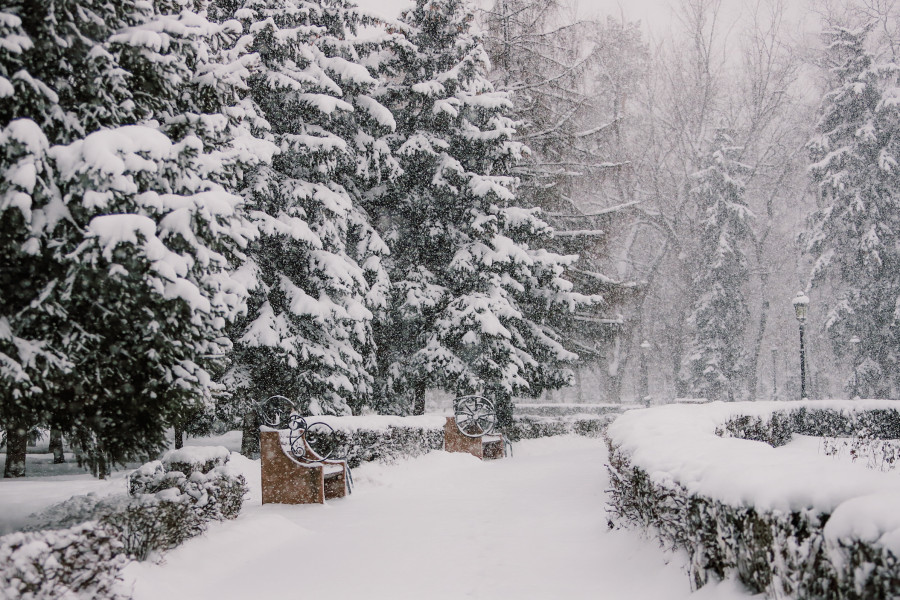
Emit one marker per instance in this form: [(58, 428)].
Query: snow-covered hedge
[(711, 479), (194, 458), (80, 562), (529, 427), (569, 409), (387, 438), (79, 545), (164, 506)]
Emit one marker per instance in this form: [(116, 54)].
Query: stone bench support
[(285, 480), (486, 447)]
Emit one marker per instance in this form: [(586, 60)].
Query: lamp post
[(774, 373), (855, 341), (801, 305), (645, 373)]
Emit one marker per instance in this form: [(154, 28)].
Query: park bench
[(471, 429), (297, 462)]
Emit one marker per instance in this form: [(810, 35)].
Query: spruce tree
[(29, 361), (34, 90), (854, 237), (130, 234), (315, 269), (148, 290), (472, 284), (715, 365)]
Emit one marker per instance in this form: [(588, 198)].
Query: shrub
[(79, 562), (798, 553), (189, 459), (387, 445), (527, 427), (163, 508)]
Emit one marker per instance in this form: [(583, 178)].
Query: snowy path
[(443, 526)]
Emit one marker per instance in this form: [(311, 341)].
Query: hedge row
[(527, 427), (76, 549), (564, 410), (777, 429), (780, 554), (394, 441), (387, 445)]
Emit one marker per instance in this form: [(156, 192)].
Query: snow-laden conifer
[(715, 365), (854, 237), (472, 282), (130, 229), (315, 270), (148, 289)]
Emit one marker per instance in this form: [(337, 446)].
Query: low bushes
[(529, 427), (825, 537), (360, 443), (387, 439), (76, 548), (80, 562), (567, 410)]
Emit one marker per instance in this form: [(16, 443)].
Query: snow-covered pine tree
[(855, 237), (472, 281), (39, 58), (315, 270), (135, 231), (148, 290), (573, 84), (715, 365), (205, 95), (69, 56), (27, 358)]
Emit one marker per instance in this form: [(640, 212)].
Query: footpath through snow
[(442, 526)]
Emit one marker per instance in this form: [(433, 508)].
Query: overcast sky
[(658, 16)]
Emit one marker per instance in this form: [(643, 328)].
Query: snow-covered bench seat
[(486, 447), (286, 480)]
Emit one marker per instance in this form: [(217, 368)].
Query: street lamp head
[(801, 304), (645, 345)]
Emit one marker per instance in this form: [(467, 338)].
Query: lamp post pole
[(774, 373), (645, 374), (801, 304), (855, 341)]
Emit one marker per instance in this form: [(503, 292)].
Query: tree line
[(708, 174), (208, 202)]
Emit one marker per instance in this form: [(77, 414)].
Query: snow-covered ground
[(20, 498), (441, 526)]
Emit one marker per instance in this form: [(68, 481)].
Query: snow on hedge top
[(197, 455), (378, 422), (677, 444)]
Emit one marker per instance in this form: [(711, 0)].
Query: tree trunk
[(419, 399), (644, 379), (756, 350), (504, 407), (681, 386), (250, 435), (16, 447), (579, 387), (56, 446), (103, 467), (179, 436)]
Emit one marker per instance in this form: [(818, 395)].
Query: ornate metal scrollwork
[(309, 442), (274, 411), (475, 416)]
